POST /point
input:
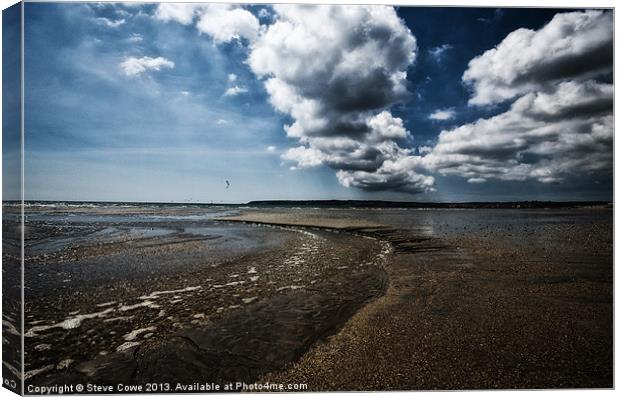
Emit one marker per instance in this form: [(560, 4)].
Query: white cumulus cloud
[(541, 137), (132, 66), (111, 23), (336, 71), (573, 45), (222, 22), (442, 114), (304, 157), (437, 53), (236, 90), (226, 22), (561, 122), (182, 13)]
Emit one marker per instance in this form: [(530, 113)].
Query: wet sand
[(304, 219), (11, 297), (505, 307), (174, 301), (339, 300)]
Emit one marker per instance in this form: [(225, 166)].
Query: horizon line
[(284, 201)]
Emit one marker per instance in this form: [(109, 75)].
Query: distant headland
[(409, 204)]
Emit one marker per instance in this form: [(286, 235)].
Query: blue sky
[(11, 112), (134, 103)]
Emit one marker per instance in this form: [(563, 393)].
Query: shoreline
[(291, 220), (324, 306), (438, 281), (449, 312)]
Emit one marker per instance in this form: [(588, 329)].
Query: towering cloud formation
[(335, 70), (561, 123)]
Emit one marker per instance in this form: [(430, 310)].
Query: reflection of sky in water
[(442, 222), (116, 218), (200, 222), (108, 234), (115, 227)]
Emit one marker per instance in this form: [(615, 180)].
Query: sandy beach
[(242, 300), (401, 299), (517, 307)]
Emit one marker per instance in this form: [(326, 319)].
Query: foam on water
[(11, 368), (10, 328), (106, 304), (231, 284), (135, 333), (291, 287), (249, 300), (31, 373), (149, 304), (156, 294), (75, 320), (309, 247), (42, 347), (64, 364), (68, 323), (127, 345), (119, 318)]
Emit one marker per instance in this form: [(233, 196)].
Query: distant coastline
[(408, 204), (349, 204)]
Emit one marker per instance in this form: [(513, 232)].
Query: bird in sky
[(227, 184)]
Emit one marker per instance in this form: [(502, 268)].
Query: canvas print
[(221, 197)]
